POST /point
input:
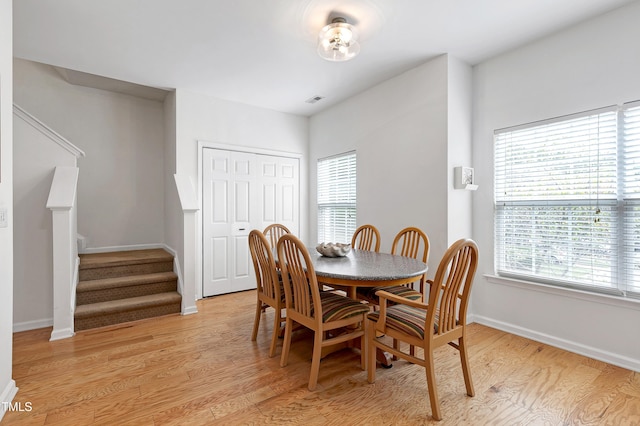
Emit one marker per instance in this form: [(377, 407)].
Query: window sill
[(625, 302)]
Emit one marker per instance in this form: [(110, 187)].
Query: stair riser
[(104, 295), (124, 270), (121, 317)]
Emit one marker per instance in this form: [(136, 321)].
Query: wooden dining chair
[(429, 325), (269, 285), (322, 312), (366, 237), (409, 242), (274, 231)]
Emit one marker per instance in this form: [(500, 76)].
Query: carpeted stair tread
[(109, 283), (97, 266), (124, 305), (120, 258)]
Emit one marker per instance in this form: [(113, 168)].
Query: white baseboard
[(32, 325), (188, 310), (7, 395), (185, 309), (82, 243), (123, 248), (65, 333), (588, 351)]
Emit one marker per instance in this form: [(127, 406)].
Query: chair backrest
[(451, 287), (264, 263), (411, 242), (302, 292), (274, 231), (365, 237)]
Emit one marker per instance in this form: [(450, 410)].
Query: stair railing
[(62, 203)]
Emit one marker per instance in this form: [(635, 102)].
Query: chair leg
[(431, 384), (283, 319), (286, 344), (315, 359), (466, 372), (256, 321), (396, 346), (274, 336), (363, 352), (371, 350)]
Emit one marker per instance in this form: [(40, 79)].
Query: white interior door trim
[(216, 145)]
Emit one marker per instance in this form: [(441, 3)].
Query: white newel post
[(190, 208), (61, 202), (189, 296)]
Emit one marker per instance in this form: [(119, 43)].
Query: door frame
[(238, 148)]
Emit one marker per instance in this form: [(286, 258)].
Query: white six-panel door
[(279, 181), (242, 191)]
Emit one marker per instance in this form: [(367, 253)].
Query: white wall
[(7, 385), (459, 107), (591, 65), (121, 182), (172, 211), (400, 132), (202, 118), (37, 156)]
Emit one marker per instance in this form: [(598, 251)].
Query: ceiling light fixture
[(338, 41)]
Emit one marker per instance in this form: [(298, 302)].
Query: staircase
[(125, 286)]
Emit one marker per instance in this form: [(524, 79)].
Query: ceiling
[(263, 52)]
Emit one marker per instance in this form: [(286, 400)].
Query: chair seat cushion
[(405, 319), (336, 307), (369, 294)]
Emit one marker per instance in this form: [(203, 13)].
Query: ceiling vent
[(314, 99)]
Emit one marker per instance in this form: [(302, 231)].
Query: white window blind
[(337, 198), (631, 197), (567, 205)]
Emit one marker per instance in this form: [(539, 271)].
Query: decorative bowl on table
[(333, 249)]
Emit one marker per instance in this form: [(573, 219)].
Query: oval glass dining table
[(361, 268)]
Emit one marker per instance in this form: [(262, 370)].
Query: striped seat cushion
[(405, 319), (281, 283), (369, 294), (282, 295), (336, 307)]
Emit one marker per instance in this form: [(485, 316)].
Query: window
[(567, 201), (337, 198)]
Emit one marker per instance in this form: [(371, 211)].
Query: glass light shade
[(338, 41)]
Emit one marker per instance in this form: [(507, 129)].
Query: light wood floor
[(203, 369)]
